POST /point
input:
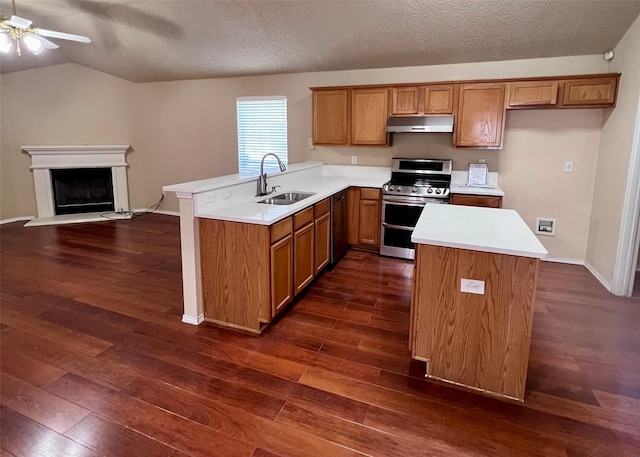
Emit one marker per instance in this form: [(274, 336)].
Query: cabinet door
[(369, 226), (323, 235), (438, 100), (404, 100), (481, 112), (487, 201), (590, 92), (281, 274), (369, 113), (330, 116), (353, 215), (533, 93), (303, 262)]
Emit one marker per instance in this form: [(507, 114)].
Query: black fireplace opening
[(82, 190)]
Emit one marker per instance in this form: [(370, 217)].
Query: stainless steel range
[(414, 183)]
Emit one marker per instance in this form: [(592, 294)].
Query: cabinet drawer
[(476, 200), (302, 218), (367, 193), (281, 229), (321, 208)]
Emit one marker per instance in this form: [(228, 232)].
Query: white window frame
[(258, 135)]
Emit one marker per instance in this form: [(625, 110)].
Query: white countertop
[(501, 231)]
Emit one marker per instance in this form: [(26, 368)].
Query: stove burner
[(409, 178)]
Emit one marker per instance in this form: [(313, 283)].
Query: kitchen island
[(473, 294)]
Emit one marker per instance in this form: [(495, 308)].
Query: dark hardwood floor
[(95, 361)]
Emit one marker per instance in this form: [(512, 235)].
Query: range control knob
[(429, 190), (399, 188), (415, 189), (438, 191), (392, 188)]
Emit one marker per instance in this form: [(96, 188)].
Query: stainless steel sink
[(286, 198)]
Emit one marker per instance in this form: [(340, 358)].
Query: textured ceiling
[(156, 40)]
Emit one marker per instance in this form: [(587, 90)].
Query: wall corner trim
[(187, 319), (598, 276), (15, 219)]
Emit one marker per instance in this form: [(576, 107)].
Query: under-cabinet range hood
[(420, 124)]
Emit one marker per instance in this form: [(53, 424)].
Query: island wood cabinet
[(480, 341), (480, 117), (251, 272), (420, 100), (364, 218), (331, 117), (488, 201)]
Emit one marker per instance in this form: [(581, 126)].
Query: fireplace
[(78, 183), (82, 190)]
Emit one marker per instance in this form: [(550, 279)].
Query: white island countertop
[(501, 231)]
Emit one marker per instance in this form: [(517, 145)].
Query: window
[(262, 128)]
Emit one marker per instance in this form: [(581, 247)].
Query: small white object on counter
[(501, 231), (459, 185)]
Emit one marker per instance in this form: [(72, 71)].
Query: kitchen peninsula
[(237, 253), (473, 294)]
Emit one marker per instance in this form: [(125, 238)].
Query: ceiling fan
[(18, 30)]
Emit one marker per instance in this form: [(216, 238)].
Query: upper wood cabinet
[(533, 93), (330, 117), (592, 92), (481, 113), (369, 116), (419, 100)]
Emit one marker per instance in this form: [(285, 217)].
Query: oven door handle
[(397, 227)]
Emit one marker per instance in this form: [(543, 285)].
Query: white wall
[(618, 131)]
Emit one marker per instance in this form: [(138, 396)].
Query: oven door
[(396, 241), (402, 211)]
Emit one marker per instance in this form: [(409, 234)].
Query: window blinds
[(262, 128)]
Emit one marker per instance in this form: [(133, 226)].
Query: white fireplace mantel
[(45, 158)]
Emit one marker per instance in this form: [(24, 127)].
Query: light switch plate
[(472, 286)]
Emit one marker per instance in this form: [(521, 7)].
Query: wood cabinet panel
[(233, 253), (476, 200), (322, 241), (438, 99), (369, 113), (590, 92), (480, 119), (302, 218), (533, 93), (303, 257), (281, 274), (369, 222), (281, 229), (405, 100), (479, 341), (322, 207), (369, 193), (331, 116)]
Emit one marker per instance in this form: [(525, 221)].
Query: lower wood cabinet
[(364, 218), (322, 235), (487, 201), (303, 262), (281, 274)]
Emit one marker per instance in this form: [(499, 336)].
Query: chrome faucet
[(262, 179)]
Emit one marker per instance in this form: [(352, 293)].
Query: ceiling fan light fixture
[(33, 44)]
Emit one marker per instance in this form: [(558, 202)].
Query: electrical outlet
[(472, 286), (545, 226), (310, 144), (354, 160), (568, 166)]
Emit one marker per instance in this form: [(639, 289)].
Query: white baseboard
[(187, 319), (598, 276), (15, 219), (564, 260)]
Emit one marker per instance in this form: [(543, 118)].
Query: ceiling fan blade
[(19, 22), (61, 35), (46, 43)]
